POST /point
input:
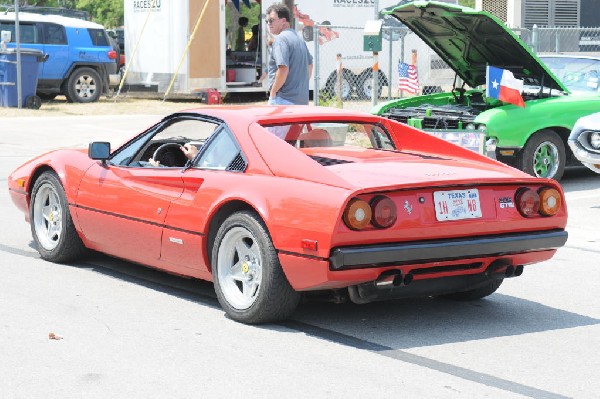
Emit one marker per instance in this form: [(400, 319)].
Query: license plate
[(457, 204)]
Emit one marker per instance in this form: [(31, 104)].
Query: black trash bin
[(30, 66)]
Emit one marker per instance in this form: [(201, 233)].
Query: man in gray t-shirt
[(290, 63)]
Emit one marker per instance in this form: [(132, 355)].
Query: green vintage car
[(534, 138)]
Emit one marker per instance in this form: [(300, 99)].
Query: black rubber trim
[(442, 250)]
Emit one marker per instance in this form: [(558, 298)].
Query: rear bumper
[(443, 250)]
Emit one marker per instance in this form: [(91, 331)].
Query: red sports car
[(270, 202)]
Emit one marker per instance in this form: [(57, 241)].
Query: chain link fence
[(344, 71)]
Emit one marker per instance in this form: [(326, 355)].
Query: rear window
[(334, 134), (99, 37)]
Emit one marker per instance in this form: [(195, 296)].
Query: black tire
[(51, 224), (365, 84), (308, 33), (475, 294), (543, 155), (348, 81), (243, 258), (33, 102), (83, 86)]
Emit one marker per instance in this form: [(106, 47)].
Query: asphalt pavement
[(125, 331)]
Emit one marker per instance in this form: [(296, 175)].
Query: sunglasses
[(270, 20)]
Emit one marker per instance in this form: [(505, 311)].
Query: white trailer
[(180, 47)]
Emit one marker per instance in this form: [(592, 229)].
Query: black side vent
[(237, 164), (329, 161)]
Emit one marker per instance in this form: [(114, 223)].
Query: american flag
[(408, 80)]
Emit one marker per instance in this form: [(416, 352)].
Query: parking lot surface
[(131, 332)]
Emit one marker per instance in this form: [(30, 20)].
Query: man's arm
[(280, 77)]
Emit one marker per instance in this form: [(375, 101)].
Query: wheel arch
[(561, 131), (225, 210), (35, 174)]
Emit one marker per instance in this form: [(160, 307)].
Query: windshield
[(334, 134), (580, 75)]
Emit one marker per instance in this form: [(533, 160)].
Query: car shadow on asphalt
[(392, 324)]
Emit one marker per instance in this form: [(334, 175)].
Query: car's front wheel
[(249, 281), (544, 155), (51, 224), (83, 86)]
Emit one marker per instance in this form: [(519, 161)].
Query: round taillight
[(357, 215), (112, 55), (528, 202), (384, 212), (550, 201)]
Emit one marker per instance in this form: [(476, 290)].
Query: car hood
[(469, 40)]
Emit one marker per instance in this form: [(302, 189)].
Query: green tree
[(109, 13)]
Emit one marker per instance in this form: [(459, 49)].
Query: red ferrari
[(270, 202)]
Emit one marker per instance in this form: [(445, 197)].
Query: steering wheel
[(170, 154)]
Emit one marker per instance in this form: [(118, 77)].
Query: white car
[(579, 73), (585, 141)]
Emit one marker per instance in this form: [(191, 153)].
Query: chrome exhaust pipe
[(389, 279)]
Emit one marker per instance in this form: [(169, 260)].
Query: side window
[(54, 34), (98, 37), (28, 32), (221, 153), (164, 142)]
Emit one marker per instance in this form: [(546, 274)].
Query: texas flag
[(502, 84)]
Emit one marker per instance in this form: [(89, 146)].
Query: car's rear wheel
[(83, 86), (544, 155), (475, 294), (51, 224), (249, 281)]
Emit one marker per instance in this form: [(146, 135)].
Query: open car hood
[(468, 40)]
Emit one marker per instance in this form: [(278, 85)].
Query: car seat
[(315, 138)]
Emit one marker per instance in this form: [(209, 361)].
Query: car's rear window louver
[(237, 164), (329, 161)]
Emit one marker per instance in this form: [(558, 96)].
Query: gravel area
[(122, 105), (133, 104)]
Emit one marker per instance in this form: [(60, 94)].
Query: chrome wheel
[(546, 160), (85, 86), (249, 281), (543, 155), (240, 268), (47, 216), (51, 224)]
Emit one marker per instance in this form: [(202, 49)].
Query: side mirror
[(99, 150)]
